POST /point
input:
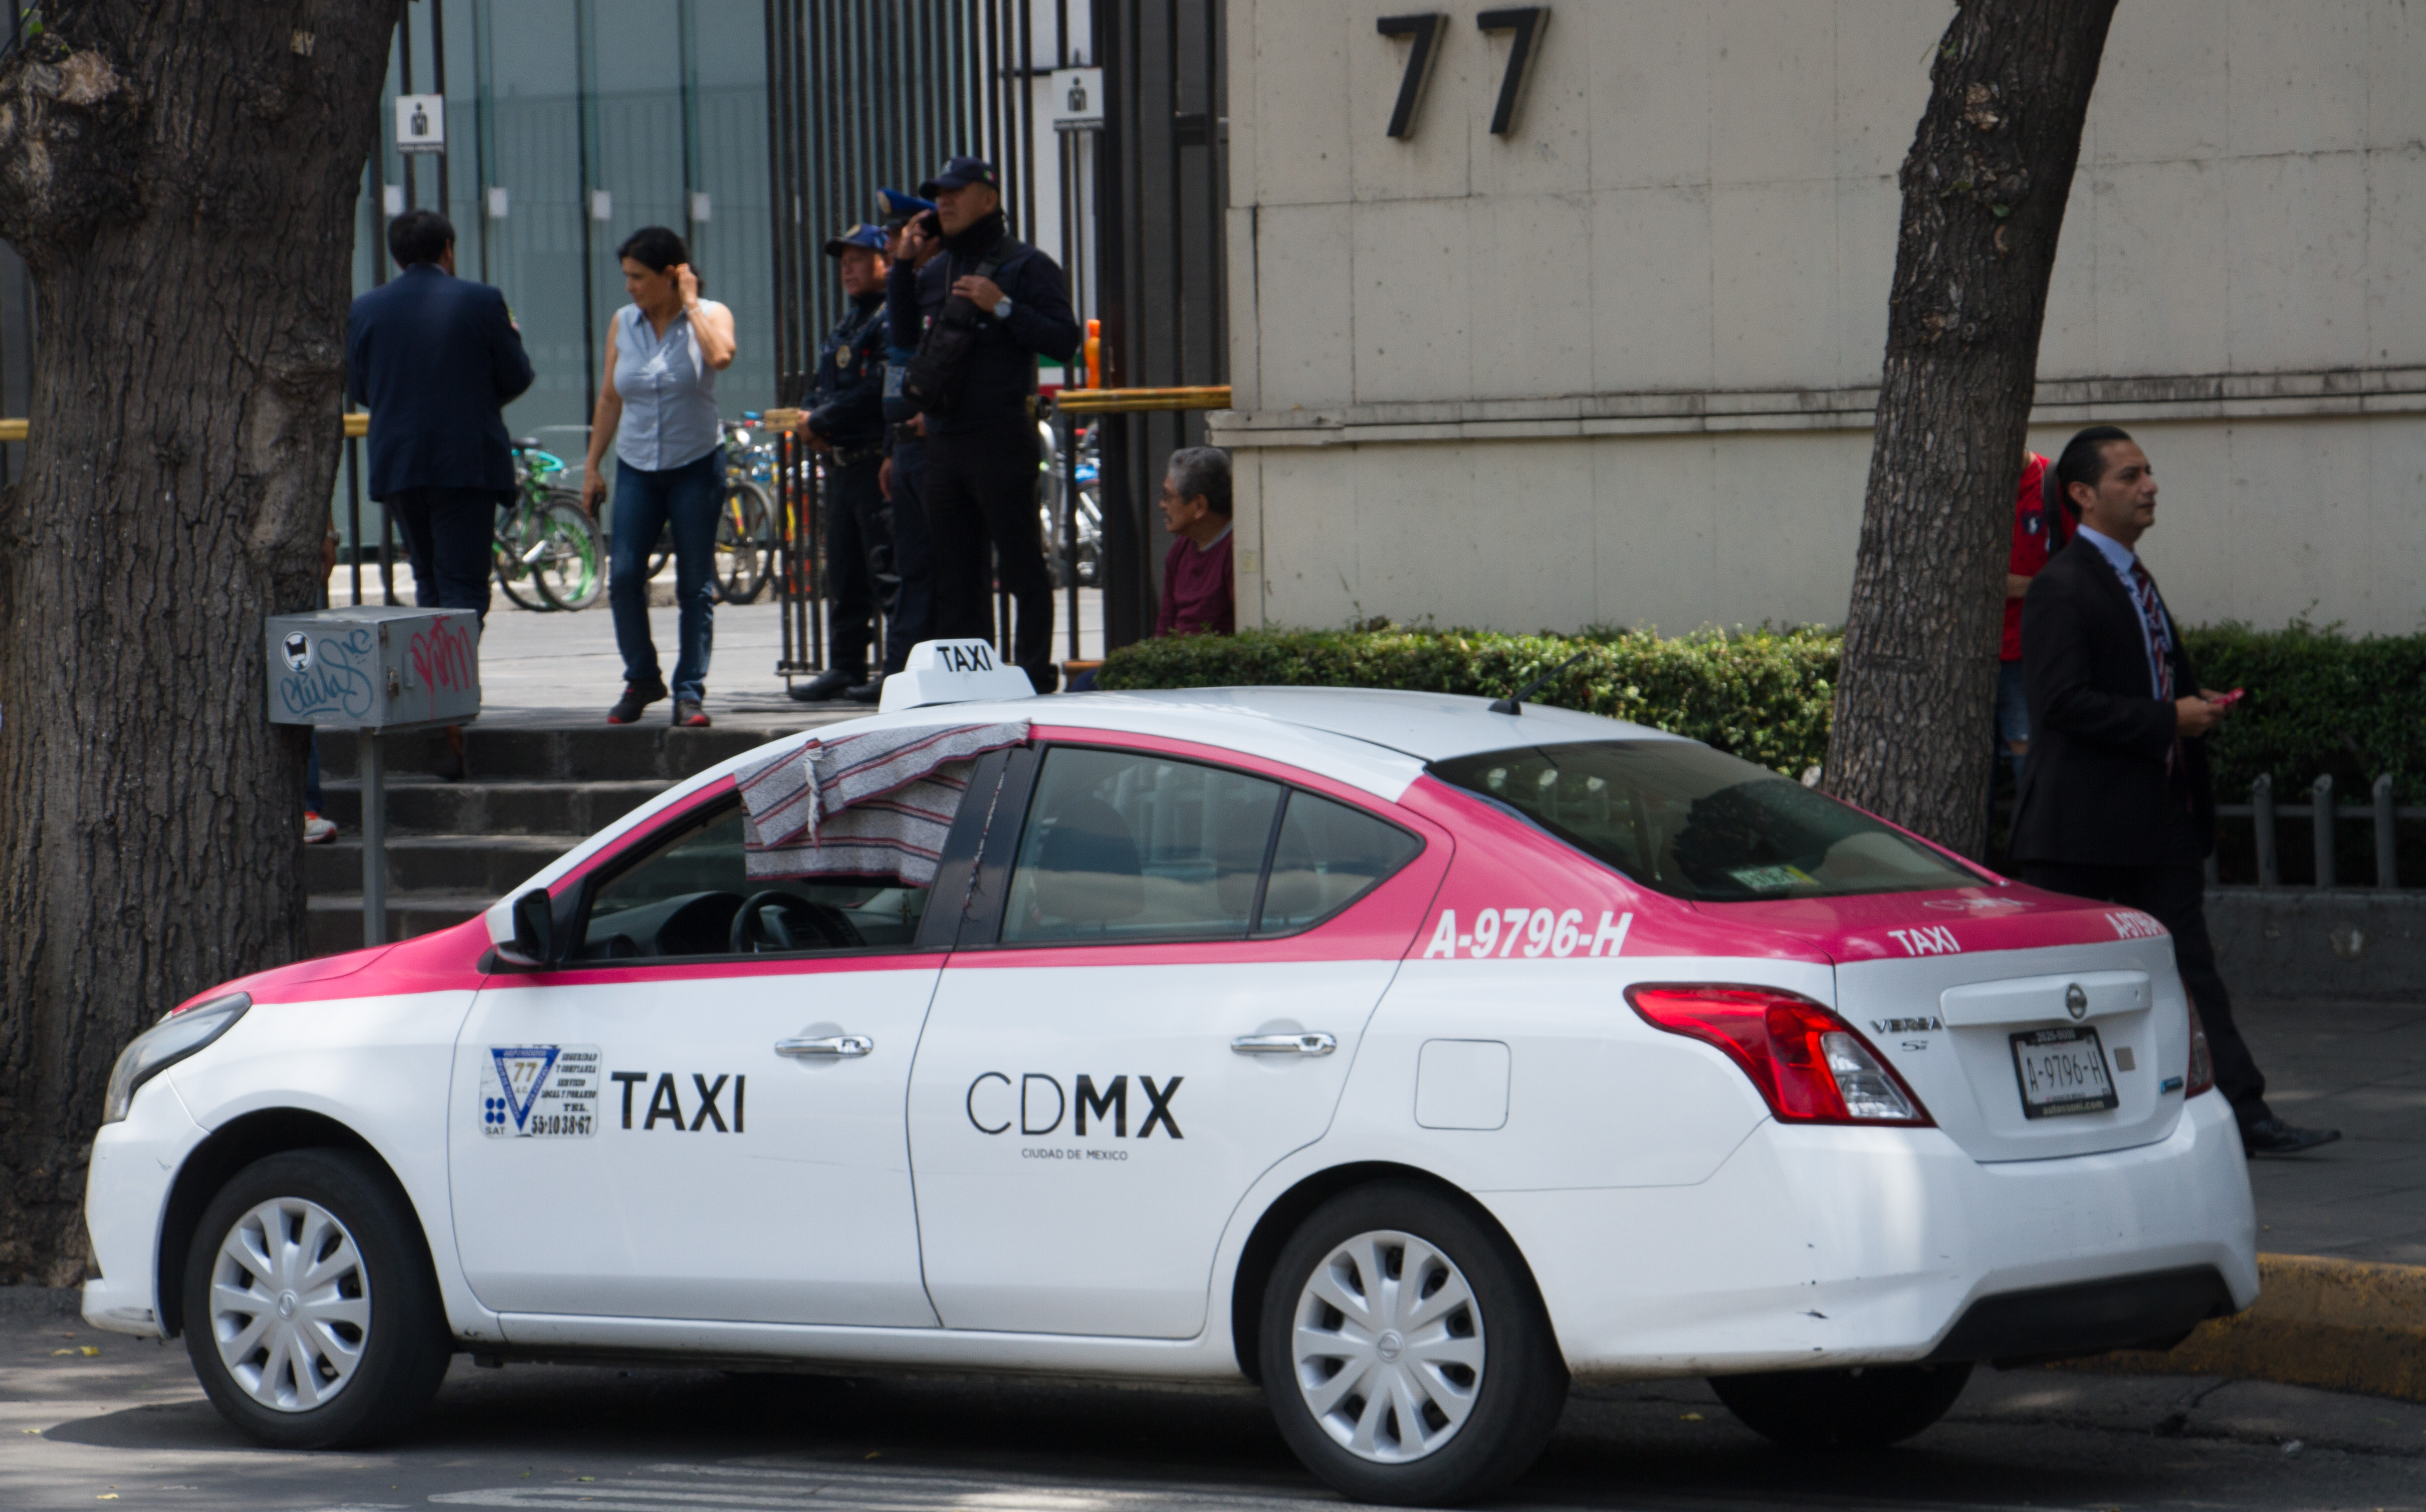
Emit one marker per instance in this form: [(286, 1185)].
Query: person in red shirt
[(1199, 588), (2039, 532)]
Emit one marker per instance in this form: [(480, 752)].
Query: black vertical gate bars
[(1162, 184), (864, 94)]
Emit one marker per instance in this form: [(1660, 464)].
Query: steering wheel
[(775, 919)]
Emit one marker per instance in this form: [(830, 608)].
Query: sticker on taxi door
[(541, 1092)]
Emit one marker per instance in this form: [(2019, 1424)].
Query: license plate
[(2062, 1071)]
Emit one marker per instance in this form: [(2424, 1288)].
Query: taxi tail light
[(2202, 1077), (1810, 1065)]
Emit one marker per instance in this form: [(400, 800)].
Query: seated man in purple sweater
[(1199, 590)]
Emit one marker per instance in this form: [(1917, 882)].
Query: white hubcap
[(290, 1304), (1388, 1346)]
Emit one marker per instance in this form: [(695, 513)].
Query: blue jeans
[(690, 496), (2012, 714)]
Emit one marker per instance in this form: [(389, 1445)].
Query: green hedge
[(2318, 702), (1763, 695)]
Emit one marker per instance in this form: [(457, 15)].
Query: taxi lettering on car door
[(699, 1116)]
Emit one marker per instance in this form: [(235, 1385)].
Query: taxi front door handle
[(842, 1047), (1317, 1043)]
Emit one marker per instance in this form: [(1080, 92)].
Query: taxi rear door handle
[(844, 1046), (1317, 1043)]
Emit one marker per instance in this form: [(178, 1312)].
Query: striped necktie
[(2151, 617), (2160, 648)]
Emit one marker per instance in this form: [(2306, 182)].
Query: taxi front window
[(680, 900), (1697, 824)]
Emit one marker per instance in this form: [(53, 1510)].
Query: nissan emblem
[(2075, 1001)]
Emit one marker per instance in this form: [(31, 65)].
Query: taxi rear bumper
[(1825, 1247)]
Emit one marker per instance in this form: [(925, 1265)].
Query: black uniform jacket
[(913, 294), (1002, 370), (847, 402), (2094, 787)]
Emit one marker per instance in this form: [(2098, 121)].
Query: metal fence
[(1162, 166), (864, 94), (2326, 818)]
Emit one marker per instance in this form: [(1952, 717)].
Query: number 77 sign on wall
[(1425, 30)]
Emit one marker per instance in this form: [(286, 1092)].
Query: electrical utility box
[(375, 667)]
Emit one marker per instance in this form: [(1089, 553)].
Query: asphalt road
[(127, 1425)]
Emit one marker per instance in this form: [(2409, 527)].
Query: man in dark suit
[(2115, 802), (435, 359)]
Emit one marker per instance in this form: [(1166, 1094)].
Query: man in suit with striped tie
[(2116, 802)]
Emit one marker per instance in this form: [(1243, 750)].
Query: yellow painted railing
[(1070, 401), (356, 424), (1120, 401)]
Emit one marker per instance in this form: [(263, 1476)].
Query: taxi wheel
[(1405, 1354), (311, 1313), (1862, 1408)]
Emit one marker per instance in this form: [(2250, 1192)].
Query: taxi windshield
[(1697, 824)]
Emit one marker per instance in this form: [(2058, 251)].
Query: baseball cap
[(959, 175), (893, 207), (861, 235)]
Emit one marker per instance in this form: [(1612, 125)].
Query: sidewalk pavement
[(2341, 1230)]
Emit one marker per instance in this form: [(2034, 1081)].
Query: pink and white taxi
[(1409, 1057)]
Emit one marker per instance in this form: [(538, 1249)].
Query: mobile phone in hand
[(2226, 700)]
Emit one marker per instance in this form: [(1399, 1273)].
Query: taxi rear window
[(1697, 824)]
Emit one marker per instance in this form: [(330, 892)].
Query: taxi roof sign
[(953, 672)]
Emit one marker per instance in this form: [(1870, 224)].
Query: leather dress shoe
[(870, 691), (826, 686), (2271, 1135)]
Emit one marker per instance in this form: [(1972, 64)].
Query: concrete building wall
[(1619, 364)]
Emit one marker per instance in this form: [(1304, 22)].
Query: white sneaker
[(317, 830)]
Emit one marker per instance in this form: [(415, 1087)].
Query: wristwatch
[(1002, 308)]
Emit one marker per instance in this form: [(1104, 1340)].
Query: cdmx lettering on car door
[(1105, 1099)]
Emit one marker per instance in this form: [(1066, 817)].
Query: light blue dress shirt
[(669, 394), (2122, 559)]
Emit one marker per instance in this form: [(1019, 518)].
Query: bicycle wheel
[(745, 533), (567, 562), (517, 533)]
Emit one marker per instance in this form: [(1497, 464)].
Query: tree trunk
[(180, 177), (1983, 198)]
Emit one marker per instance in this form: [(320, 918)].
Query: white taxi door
[(1125, 1050), (667, 1128)]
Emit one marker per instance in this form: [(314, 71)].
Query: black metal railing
[(2325, 817), (864, 94)]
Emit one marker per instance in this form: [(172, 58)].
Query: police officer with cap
[(1006, 305), (846, 424)]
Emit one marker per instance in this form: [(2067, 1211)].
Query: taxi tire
[(1820, 1410), (407, 1348), (1524, 1386)]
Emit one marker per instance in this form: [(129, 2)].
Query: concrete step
[(488, 864), (427, 805), (334, 922), (604, 753)]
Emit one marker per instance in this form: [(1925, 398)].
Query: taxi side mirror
[(533, 947)]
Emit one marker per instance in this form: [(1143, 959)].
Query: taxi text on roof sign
[(953, 672)]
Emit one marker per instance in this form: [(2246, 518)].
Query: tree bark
[(181, 178), (1984, 188)]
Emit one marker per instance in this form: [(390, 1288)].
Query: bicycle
[(546, 555), (1087, 520), (745, 526)]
